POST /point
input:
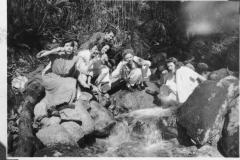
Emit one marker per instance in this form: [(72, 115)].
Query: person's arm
[(201, 78), (116, 72), (53, 51), (89, 65), (192, 73), (47, 67), (142, 61)]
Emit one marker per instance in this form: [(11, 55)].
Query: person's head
[(109, 34), (93, 48), (128, 55), (75, 48), (104, 47), (172, 64), (69, 43)]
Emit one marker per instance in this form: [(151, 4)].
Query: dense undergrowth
[(149, 27)]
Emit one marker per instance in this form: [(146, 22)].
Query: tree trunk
[(28, 142)]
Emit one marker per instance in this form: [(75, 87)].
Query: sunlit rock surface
[(55, 134), (230, 134), (74, 130)]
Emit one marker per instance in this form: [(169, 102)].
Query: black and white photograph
[(120, 78)]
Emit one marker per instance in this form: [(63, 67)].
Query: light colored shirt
[(170, 81), (186, 80), (83, 61)]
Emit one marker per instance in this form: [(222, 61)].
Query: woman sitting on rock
[(179, 83), (58, 79), (132, 69)]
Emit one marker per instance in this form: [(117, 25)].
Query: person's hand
[(39, 55), (94, 59), (104, 57), (164, 72), (145, 66), (60, 49)]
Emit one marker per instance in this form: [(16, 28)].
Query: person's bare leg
[(83, 79), (89, 80), (100, 78)]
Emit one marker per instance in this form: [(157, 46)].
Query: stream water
[(141, 133)]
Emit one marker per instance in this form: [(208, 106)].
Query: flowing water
[(140, 134)]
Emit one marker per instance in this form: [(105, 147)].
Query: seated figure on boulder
[(91, 64), (133, 70), (58, 76), (99, 69), (179, 83)]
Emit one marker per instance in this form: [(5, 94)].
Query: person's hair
[(127, 51), (92, 44), (108, 30), (101, 45), (175, 62), (69, 38)]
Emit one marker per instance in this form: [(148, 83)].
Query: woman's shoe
[(154, 93), (139, 87), (130, 88)]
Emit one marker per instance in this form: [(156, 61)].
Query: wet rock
[(128, 149), (138, 99), (182, 151), (55, 134), (85, 96), (203, 112), (45, 122), (40, 109), (87, 122), (208, 151), (219, 74), (69, 114), (74, 130), (54, 120), (62, 150), (102, 118), (230, 134)]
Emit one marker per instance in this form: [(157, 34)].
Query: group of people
[(91, 66)]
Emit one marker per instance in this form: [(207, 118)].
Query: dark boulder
[(138, 99), (87, 122), (203, 113), (219, 74), (103, 120)]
